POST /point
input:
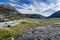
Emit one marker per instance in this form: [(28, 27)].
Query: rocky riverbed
[(40, 33)]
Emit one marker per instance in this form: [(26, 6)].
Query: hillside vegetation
[(9, 12)]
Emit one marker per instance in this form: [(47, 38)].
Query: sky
[(42, 7)]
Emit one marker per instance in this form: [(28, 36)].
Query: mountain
[(8, 9), (55, 15), (38, 16), (9, 12)]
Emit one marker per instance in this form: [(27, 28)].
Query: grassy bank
[(8, 33)]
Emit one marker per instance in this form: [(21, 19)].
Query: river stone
[(40, 33)]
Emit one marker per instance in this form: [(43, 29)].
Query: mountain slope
[(55, 15), (9, 12), (35, 16)]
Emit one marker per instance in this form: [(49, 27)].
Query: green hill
[(9, 12)]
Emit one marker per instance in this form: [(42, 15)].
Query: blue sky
[(4, 1), (42, 7)]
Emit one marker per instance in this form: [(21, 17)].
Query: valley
[(18, 26), (28, 25)]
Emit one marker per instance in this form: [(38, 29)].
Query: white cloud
[(28, 9), (15, 5), (58, 4), (38, 7), (12, 0)]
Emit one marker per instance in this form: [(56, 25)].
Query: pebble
[(38, 33)]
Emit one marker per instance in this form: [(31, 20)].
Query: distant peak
[(55, 15)]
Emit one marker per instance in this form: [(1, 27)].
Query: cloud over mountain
[(43, 7)]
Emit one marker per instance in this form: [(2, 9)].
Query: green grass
[(44, 22), (7, 33), (12, 17), (20, 27), (15, 30)]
